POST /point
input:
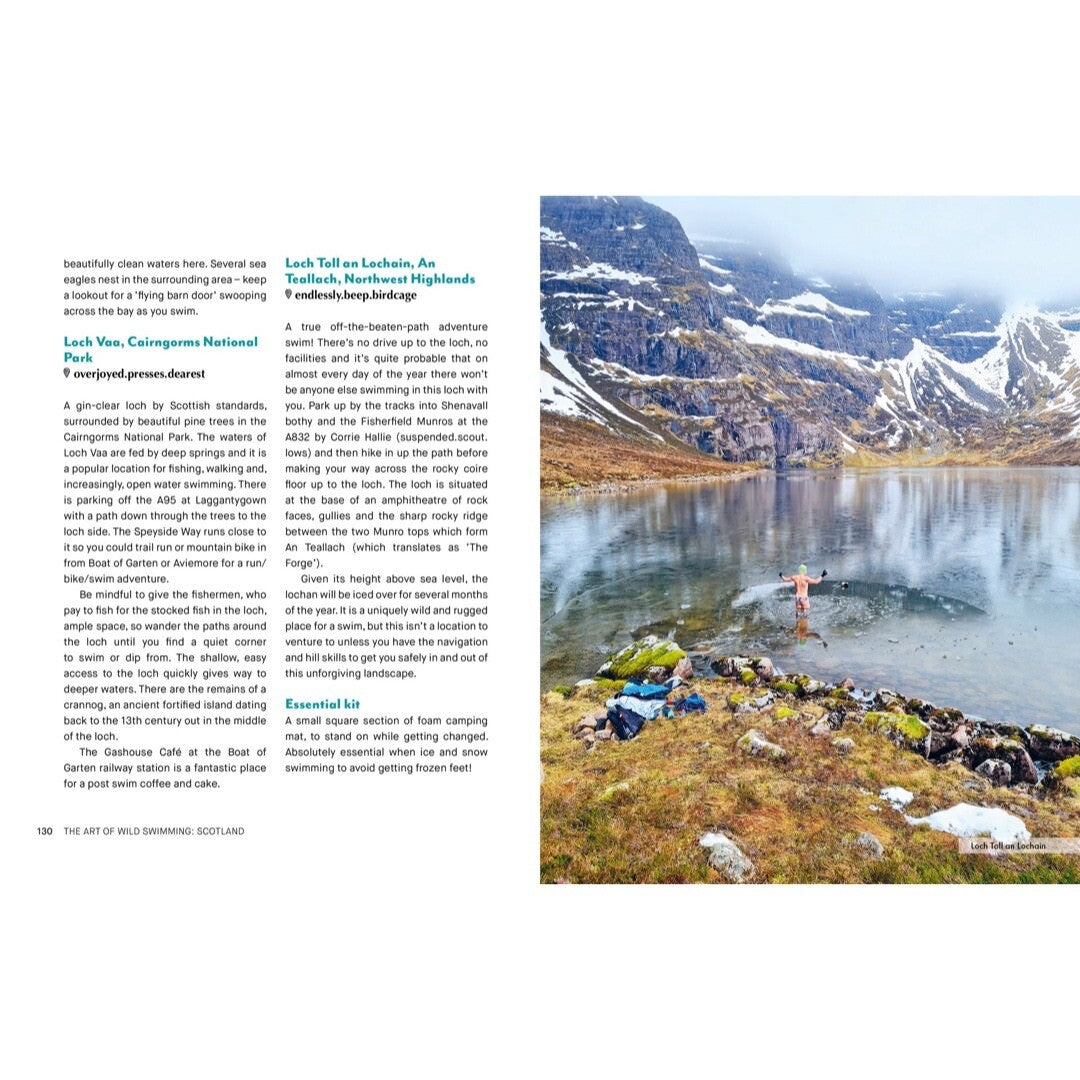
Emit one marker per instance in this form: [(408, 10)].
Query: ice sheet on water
[(756, 594)]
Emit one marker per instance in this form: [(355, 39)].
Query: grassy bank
[(578, 454), (635, 811)]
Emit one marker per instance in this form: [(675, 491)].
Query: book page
[(330, 652)]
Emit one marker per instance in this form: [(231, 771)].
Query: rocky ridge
[(725, 348)]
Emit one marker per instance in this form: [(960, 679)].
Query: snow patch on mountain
[(598, 271), (798, 304), (554, 398), (990, 372), (712, 267), (577, 393), (758, 335), (924, 371), (553, 236)]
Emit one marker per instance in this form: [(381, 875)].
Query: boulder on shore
[(998, 772), (1008, 750), (648, 657), (904, 729), (1049, 744), (756, 745), (870, 846), (684, 669), (726, 857)]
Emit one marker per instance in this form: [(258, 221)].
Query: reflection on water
[(961, 584)]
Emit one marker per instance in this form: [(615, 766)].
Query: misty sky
[(1022, 250)]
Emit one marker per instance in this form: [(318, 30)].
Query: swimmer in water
[(801, 582)]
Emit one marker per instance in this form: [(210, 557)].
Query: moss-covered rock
[(1009, 731), (1050, 744), (756, 745), (611, 687), (945, 717), (904, 729), (617, 792), (649, 657), (886, 699), (747, 676), (1012, 751), (730, 666), (746, 701), (806, 686), (1068, 767), (785, 686), (784, 713)]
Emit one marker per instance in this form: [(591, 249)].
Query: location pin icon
[(67, 373), (288, 294)]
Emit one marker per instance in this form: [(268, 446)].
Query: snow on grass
[(817, 302), (561, 363), (896, 797), (758, 335), (967, 820), (727, 290)]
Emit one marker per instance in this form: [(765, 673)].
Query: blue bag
[(626, 723)]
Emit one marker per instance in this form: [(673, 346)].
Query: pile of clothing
[(640, 702)]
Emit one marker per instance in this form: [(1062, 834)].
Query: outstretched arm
[(814, 580), (784, 577)]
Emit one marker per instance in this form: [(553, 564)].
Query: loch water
[(960, 586)]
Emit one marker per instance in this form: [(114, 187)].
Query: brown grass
[(797, 819), (579, 453)]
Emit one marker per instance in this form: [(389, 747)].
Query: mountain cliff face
[(729, 350)]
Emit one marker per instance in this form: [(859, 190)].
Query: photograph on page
[(810, 539)]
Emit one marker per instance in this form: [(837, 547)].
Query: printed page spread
[(356, 689)]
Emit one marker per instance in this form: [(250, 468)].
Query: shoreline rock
[(998, 753)]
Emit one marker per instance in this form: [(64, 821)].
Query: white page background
[(369, 928)]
